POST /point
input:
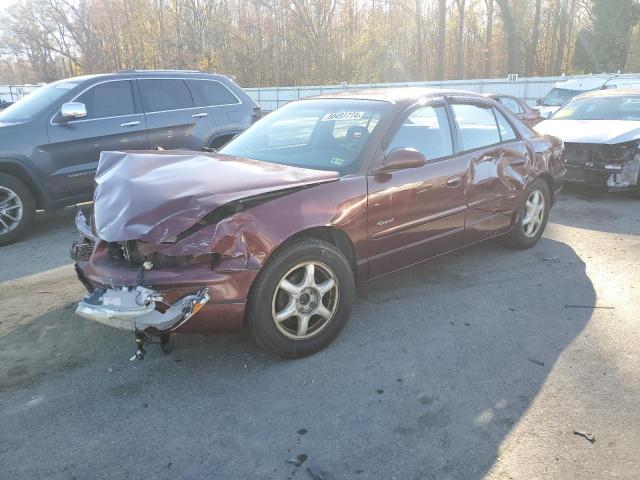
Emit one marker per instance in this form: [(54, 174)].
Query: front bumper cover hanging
[(134, 308)]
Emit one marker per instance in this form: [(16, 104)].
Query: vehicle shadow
[(436, 366), (590, 208)]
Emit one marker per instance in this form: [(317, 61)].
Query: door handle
[(130, 124), (199, 115), (454, 181)]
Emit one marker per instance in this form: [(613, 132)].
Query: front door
[(417, 213), (113, 122)]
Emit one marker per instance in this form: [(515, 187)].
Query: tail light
[(256, 114)]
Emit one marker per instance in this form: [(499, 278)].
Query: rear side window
[(210, 93), (109, 99), (164, 94), (427, 130), (506, 130), (477, 125), (511, 104)]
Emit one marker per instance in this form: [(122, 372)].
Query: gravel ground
[(481, 364)]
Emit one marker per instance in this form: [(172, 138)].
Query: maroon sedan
[(273, 231), (519, 108)]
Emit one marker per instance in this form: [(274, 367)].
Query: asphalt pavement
[(485, 363)]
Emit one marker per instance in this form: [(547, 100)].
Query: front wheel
[(302, 298), (532, 216), (17, 209)]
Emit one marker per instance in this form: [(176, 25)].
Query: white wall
[(529, 89)]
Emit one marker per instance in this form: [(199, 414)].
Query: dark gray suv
[(50, 141)]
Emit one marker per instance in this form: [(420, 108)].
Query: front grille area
[(595, 155), (129, 252)]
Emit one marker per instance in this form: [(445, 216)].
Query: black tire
[(25, 197), (517, 238), (264, 293)]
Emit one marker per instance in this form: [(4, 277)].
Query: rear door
[(417, 213), (173, 120), (225, 109), (114, 121), (499, 166)]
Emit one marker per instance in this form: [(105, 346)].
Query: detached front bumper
[(134, 308)]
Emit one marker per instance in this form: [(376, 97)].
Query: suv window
[(511, 104), (210, 93), (427, 130), (477, 125), (109, 99), (164, 94), (506, 130)]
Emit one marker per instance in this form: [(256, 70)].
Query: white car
[(601, 135), (564, 91)]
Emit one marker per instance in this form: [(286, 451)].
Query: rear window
[(511, 104), (211, 93), (110, 99), (506, 130), (477, 125), (164, 94)]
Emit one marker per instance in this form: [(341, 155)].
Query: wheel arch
[(15, 169), (550, 184), (333, 235)]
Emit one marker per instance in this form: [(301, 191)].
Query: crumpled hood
[(591, 131), (154, 196)]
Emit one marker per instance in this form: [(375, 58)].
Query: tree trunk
[(488, 49), (530, 66), (512, 38), (460, 42), (442, 26)]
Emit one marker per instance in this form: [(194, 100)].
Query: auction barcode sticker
[(328, 117)]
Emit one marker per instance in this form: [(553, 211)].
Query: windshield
[(559, 96), (320, 134), (601, 108), (30, 105)]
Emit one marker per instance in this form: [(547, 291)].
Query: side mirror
[(401, 159), (72, 110), (539, 101)]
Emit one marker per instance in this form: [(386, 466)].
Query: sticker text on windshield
[(329, 117)]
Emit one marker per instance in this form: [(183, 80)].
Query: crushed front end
[(173, 245), (603, 165)]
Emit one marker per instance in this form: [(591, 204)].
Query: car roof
[(612, 92), (400, 96), (147, 73), (583, 83)]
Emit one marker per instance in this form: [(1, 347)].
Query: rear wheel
[(302, 298), (532, 216), (17, 209)]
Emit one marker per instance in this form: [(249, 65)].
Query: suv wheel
[(302, 298), (17, 209), (532, 216)]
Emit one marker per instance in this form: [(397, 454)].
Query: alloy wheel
[(534, 211), (11, 210), (305, 300)]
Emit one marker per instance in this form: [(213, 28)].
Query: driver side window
[(108, 99), (426, 130)]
